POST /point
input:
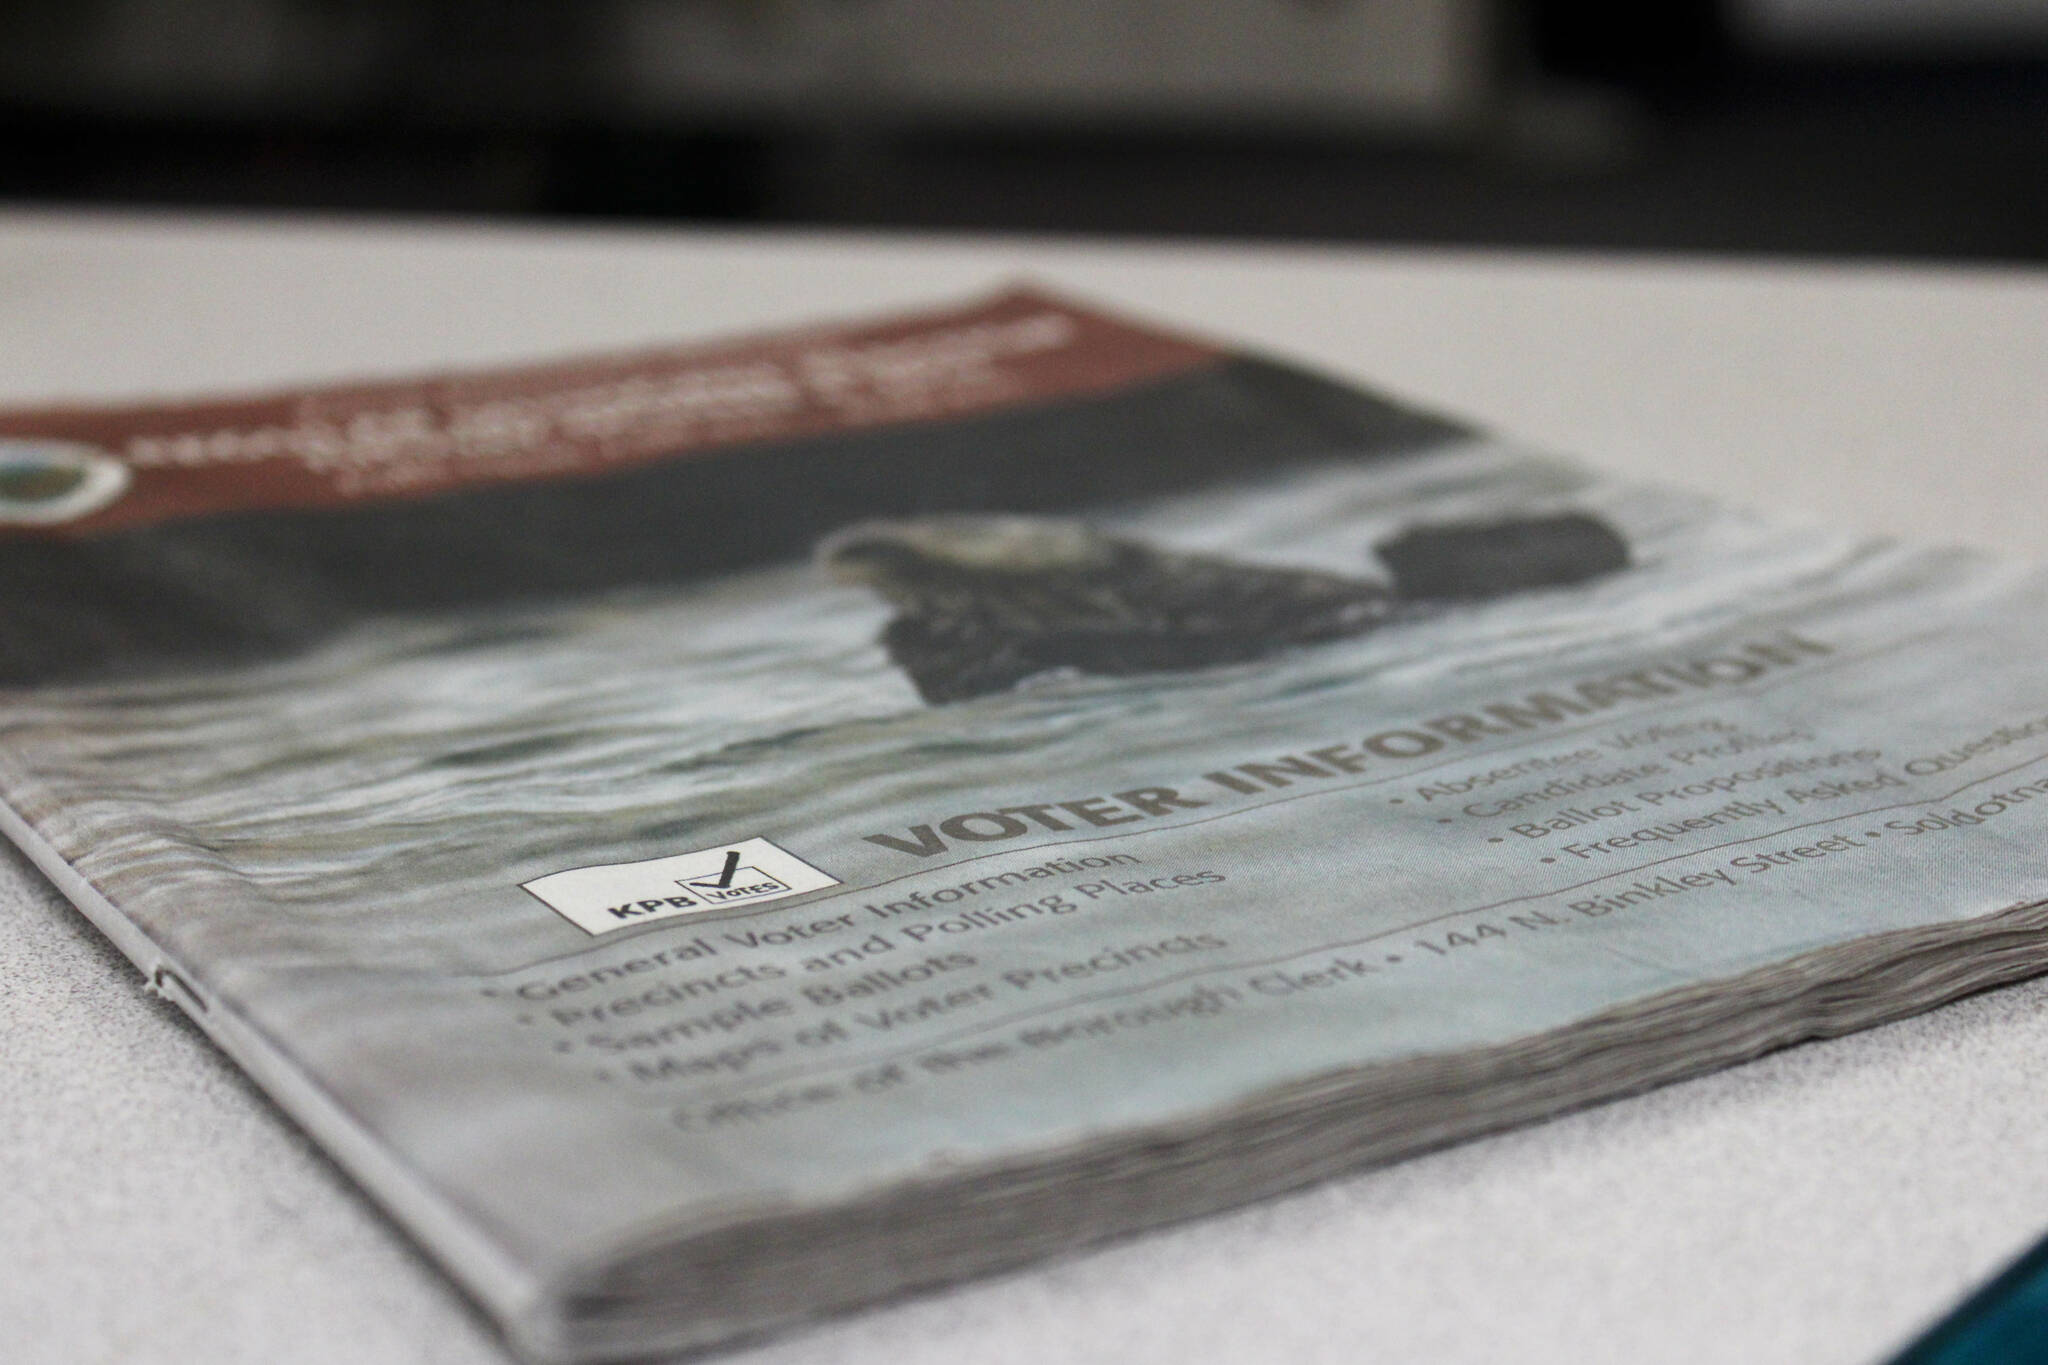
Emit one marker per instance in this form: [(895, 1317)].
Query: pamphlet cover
[(713, 836)]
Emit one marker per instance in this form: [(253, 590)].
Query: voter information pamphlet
[(713, 836)]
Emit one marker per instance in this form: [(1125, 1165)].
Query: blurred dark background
[(1846, 127)]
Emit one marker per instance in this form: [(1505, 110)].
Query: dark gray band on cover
[(194, 593)]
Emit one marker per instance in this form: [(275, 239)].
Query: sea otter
[(984, 602)]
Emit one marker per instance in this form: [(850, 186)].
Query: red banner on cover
[(80, 470)]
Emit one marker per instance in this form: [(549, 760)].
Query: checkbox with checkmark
[(606, 897)]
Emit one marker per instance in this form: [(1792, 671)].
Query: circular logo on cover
[(44, 482)]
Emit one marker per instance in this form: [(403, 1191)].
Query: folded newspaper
[(714, 836)]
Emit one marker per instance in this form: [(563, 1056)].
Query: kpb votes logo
[(735, 883), (600, 899)]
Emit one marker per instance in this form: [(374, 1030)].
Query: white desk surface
[(1814, 1207)]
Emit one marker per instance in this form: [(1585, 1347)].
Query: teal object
[(2004, 1323)]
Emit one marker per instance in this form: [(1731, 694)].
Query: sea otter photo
[(984, 602)]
